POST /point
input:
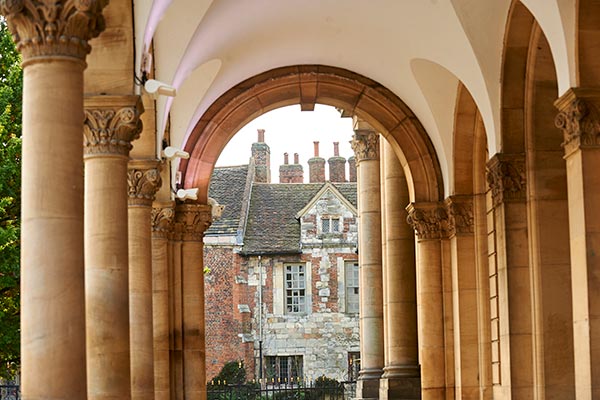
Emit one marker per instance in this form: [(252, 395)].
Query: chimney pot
[(261, 135), (296, 158), (285, 158), (336, 149), (316, 148)]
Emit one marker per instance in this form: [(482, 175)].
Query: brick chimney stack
[(337, 165), (316, 166), (352, 169), (261, 153), (291, 173)]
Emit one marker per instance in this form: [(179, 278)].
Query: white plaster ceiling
[(419, 49)]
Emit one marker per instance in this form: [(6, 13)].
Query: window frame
[(351, 282), (295, 289)]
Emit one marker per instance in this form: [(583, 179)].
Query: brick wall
[(316, 167)]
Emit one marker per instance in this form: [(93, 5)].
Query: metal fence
[(9, 392), (315, 390)]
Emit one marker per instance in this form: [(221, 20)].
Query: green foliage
[(11, 88), (232, 373)]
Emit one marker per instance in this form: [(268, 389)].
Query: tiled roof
[(227, 188), (272, 226)]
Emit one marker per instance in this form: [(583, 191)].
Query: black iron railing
[(9, 392), (302, 390)]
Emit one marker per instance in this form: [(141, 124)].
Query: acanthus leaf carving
[(460, 215), (110, 128), (506, 178), (192, 220), (162, 221), (142, 185), (429, 220), (46, 28), (365, 145), (579, 120)]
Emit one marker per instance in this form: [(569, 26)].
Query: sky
[(290, 130)]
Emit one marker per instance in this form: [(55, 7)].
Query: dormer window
[(330, 224)]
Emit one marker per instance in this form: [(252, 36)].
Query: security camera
[(173, 152), (156, 88), (187, 194)]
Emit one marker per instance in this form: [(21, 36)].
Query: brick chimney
[(352, 169), (337, 165), (316, 167), (262, 159), (291, 173)]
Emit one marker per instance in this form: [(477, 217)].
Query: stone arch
[(529, 90), (307, 85)]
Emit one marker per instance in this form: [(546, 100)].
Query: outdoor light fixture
[(156, 88), (173, 152), (187, 194)]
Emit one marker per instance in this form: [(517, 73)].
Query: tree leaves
[(11, 88)]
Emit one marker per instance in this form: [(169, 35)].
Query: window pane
[(352, 299), (295, 288), (325, 222), (335, 225)]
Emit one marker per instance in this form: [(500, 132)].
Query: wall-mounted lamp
[(187, 194), (170, 153), (156, 88)]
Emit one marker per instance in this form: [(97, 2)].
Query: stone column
[(510, 278), (430, 222), (143, 178), (579, 119), (111, 123), (54, 46), (401, 378), (464, 296), (191, 221), (162, 227), (365, 144)]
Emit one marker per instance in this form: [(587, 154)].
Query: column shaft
[(111, 123), (162, 219), (143, 182), (579, 119), (430, 223), (191, 222), (52, 279), (401, 378), (52, 260), (366, 147), (510, 273)]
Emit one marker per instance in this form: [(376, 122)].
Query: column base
[(400, 388), (367, 386)]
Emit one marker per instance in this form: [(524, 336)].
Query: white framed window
[(295, 288), (352, 298), (330, 224)]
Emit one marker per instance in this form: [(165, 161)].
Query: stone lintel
[(111, 123), (579, 119)]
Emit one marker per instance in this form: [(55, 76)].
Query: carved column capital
[(579, 119), (50, 28), (143, 181), (506, 178), (460, 215), (162, 221), (111, 124), (191, 221), (429, 220), (365, 141)]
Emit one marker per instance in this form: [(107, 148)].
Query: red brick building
[(282, 291)]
